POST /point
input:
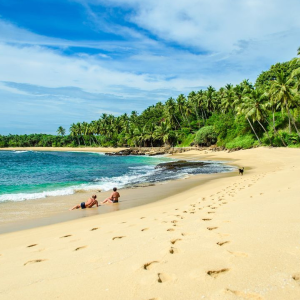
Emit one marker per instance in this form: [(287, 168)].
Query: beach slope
[(234, 237)]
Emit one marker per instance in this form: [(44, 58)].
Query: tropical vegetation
[(241, 116)]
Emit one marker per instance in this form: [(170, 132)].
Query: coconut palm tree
[(255, 107), (210, 99), (162, 132), (170, 112), (181, 103), (61, 131), (228, 98), (285, 96)]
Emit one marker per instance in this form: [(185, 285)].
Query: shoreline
[(64, 149), (200, 243), (34, 211)]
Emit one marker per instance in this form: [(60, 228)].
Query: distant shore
[(71, 149)]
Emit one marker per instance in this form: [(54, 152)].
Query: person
[(113, 198), (88, 204)]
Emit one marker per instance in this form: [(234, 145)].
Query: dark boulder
[(176, 165)]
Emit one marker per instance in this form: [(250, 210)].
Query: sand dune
[(235, 237)]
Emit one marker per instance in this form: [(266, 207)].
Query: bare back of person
[(115, 196), (88, 204), (91, 202)]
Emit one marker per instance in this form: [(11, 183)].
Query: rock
[(176, 165)]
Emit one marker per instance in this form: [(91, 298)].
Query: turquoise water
[(29, 175)]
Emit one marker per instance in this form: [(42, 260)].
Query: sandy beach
[(225, 237)]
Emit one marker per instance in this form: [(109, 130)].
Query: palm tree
[(228, 98), (74, 131), (201, 104), (255, 107), (162, 132), (181, 103), (282, 93), (193, 102), (210, 99), (170, 111), (243, 109), (61, 131)]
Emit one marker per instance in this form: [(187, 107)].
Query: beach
[(220, 236)]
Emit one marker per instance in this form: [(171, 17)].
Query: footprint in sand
[(216, 273), (212, 228), (171, 229), (142, 217), (173, 250), (155, 299), (206, 219), (243, 295), (222, 243), (149, 265), (118, 237), (79, 248), (296, 277), (31, 245), (34, 261), (144, 229), (174, 241), (211, 212), (95, 228), (164, 277), (65, 236)]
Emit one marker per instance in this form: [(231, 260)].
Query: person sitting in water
[(113, 198), (88, 204)]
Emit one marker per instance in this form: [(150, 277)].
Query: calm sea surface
[(29, 175)]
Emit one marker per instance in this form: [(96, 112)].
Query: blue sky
[(64, 61)]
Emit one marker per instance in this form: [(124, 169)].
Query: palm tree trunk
[(177, 121), (197, 115), (293, 122), (265, 132), (276, 132), (253, 130)]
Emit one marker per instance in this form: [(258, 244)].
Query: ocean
[(27, 175)]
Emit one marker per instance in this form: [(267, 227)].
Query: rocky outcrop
[(161, 150), (148, 151), (176, 165)]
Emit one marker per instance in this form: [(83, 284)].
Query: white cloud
[(183, 46), (216, 25)]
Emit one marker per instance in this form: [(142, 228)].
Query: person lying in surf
[(88, 204), (113, 198)]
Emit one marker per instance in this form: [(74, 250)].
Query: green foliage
[(206, 136), (241, 142), (265, 79), (187, 141), (241, 116)]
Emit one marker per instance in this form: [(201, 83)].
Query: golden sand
[(235, 237)]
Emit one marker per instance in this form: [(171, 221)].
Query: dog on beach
[(241, 171)]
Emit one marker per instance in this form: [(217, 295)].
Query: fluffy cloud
[(167, 48)]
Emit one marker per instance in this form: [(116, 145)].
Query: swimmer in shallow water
[(88, 204), (113, 198)]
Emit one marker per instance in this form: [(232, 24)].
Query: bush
[(241, 142), (186, 142), (206, 136)]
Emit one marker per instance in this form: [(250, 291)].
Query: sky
[(69, 61)]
